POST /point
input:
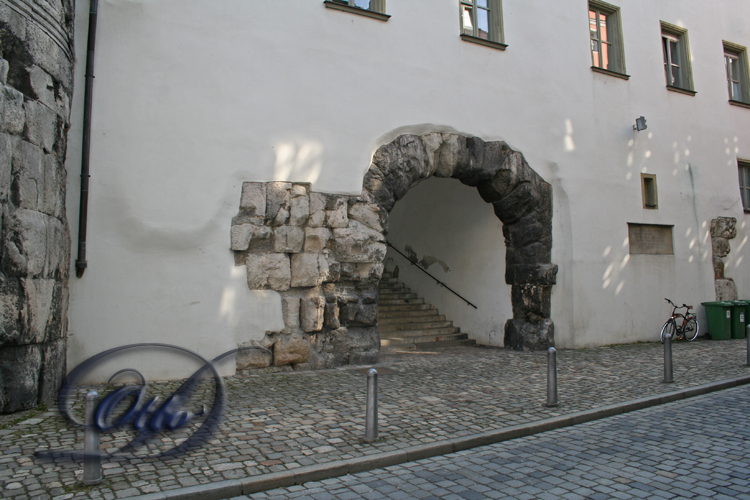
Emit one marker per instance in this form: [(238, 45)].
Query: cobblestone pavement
[(695, 448), (280, 421)]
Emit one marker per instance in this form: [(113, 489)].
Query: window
[(735, 63), (744, 168), (607, 51), (369, 8), (482, 22), (648, 189), (676, 58)]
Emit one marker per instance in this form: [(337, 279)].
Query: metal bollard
[(371, 420), (668, 358), (748, 345), (551, 377), (92, 465)]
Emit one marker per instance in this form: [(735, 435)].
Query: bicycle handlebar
[(678, 307)]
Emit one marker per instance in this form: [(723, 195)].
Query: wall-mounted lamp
[(640, 124)]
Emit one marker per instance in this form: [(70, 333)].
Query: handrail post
[(668, 358), (371, 412), (92, 465), (551, 377)]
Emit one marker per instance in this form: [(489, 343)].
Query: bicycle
[(688, 327)]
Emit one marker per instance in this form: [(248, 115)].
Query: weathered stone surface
[(539, 274), (39, 295), (290, 309), (252, 356), (354, 340), (25, 243), (54, 177), (43, 86), (261, 240), (312, 313), (308, 269), (277, 202), (718, 268), (289, 239), (720, 247), (52, 370), (726, 289), (13, 312), (12, 117), (359, 243), (317, 210), (523, 336), (254, 198), (531, 302), (291, 349), (724, 227), (367, 214), (317, 238), (337, 215), (241, 236), (376, 185), (27, 188), (361, 271), (4, 66), (19, 377), (268, 271), (41, 125), (331, 318), (299, 212), (6, 161)]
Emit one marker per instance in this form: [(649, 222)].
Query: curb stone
[(255, 484)]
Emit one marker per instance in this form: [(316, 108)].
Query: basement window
[(649, 193)]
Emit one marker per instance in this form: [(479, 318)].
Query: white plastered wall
[(192, 98)]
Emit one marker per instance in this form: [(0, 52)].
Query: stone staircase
[(406, 323)]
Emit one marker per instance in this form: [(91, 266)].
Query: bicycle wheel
[(690, 329), (669, 328)]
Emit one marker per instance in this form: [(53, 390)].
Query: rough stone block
[(52, 371), (252, 357), (25, 243), (720, 247), (331, 318), (6, 162), (718, 268), (337, 215), (277, 202), (539, 274), (725, 289), (290, 309), (43, 86), (4, 67), (364, 358), (12, 116), (268, 271), (261, 240), (299, 212), (241, 236), (523, 336), (41, 125), (317, 210), (254, 198), (39, 295), (54, 180), (58, 250), (312, 313), (531, 302), (27, 189), (359, 243), (309, 269), (289, 239), (349, 340), (13, 312), (368, 214), (19, 377), (316, 239), (291, 349), (361, 271), (724, 227), (47, 54)]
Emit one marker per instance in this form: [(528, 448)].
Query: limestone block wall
[(35, 92)]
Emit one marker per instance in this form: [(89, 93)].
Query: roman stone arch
[(521, 199), (324, 252)]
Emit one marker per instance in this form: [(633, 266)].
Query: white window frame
[(743, 168), (375, 9), (468, 9), (614, 39), (672, 34), (737, 53)]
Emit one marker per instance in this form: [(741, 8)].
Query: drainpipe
[(88, 94)]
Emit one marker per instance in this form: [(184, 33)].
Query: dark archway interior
[(521, 199)]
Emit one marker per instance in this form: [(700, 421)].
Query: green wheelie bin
[(719, 317), (739, 319)]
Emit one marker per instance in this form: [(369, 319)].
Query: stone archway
[(521, 199), (324, 252)]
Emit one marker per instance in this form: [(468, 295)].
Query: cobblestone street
[(696, 448), (282, 421)]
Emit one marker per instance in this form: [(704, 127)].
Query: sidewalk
[(430, 402)]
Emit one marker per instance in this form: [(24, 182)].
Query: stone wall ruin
[(324, 253)]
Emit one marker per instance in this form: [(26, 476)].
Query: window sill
[(739, 103), (603, 71), (482, 41), (681, 90), (356, 10)]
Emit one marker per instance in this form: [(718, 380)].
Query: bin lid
[(718, 303)]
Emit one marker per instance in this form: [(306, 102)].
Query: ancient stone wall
[(723, 229), (324, 253), (36, 85)]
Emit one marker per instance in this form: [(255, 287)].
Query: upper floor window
[(482, 22), (735, 63), (369, 8), (676, 58), (605, 29), (744, 170)]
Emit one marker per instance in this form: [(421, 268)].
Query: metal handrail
[(431, 276)]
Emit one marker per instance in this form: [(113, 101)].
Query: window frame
[(496, 36), (679, 36), (649, 192), (351, 7), (614, 39), (743, 169), (738, 52)]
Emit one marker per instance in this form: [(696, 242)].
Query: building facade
[(248, 164)]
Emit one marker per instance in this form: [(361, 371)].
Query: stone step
[(426, 346), (417, 339), (422, 332), (396, 302), (397, 295), (394, 327), (387, 309), (411, 317)]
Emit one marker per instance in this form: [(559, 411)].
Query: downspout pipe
[(88, 94)]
